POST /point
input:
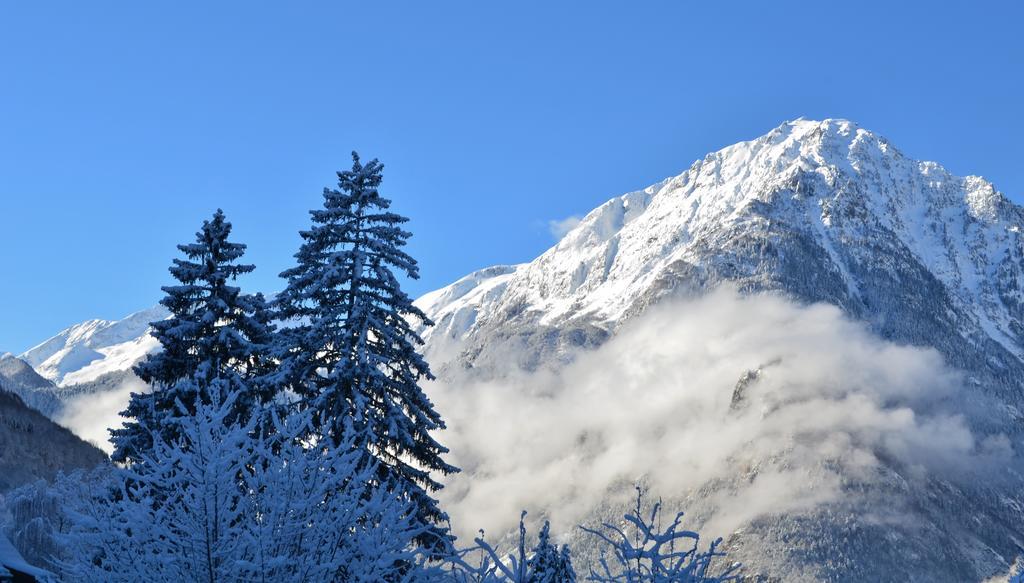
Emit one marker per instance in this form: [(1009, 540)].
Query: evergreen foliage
[(549, 563), (228, 502), (350, 354), (215, 332)]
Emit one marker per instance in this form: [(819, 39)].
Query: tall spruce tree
[(351, 354), (215, 332)]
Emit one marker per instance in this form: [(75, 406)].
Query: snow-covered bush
[(34, 513), (547, 563), (640, 552), (226, 502)]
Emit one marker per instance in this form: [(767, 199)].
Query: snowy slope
[(16, 376), (455, 308), (821, 210), (87, 351)]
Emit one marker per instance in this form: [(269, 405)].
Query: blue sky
[(124, 125)]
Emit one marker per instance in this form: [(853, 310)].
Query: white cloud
[(559, 228), (654, 402), (90, 416)]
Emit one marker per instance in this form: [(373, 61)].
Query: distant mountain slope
[(84, 352), (32, 447), (16, 376)]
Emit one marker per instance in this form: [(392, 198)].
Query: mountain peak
[(829, 130), (828, 191), (803, 125)]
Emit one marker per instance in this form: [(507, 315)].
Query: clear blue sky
[(123, 125)]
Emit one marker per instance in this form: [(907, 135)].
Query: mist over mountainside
[(816, 212), (809, 341), (805, 440)]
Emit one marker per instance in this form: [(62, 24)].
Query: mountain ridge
[(18, 377), (84, 352), (822, 193)]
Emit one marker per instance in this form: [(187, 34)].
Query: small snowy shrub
[(639, 552)]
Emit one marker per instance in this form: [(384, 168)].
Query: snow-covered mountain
[(823, 211), (814, 211), (87, 351), (818, 212)]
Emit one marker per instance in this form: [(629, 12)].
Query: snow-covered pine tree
[(549, 564), (546, 563), (352, 354), (214, 332)]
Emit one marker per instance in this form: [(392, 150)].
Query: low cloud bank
[(659, 401), (91, 415)]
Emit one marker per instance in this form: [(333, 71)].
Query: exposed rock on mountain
[(821, 211)]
